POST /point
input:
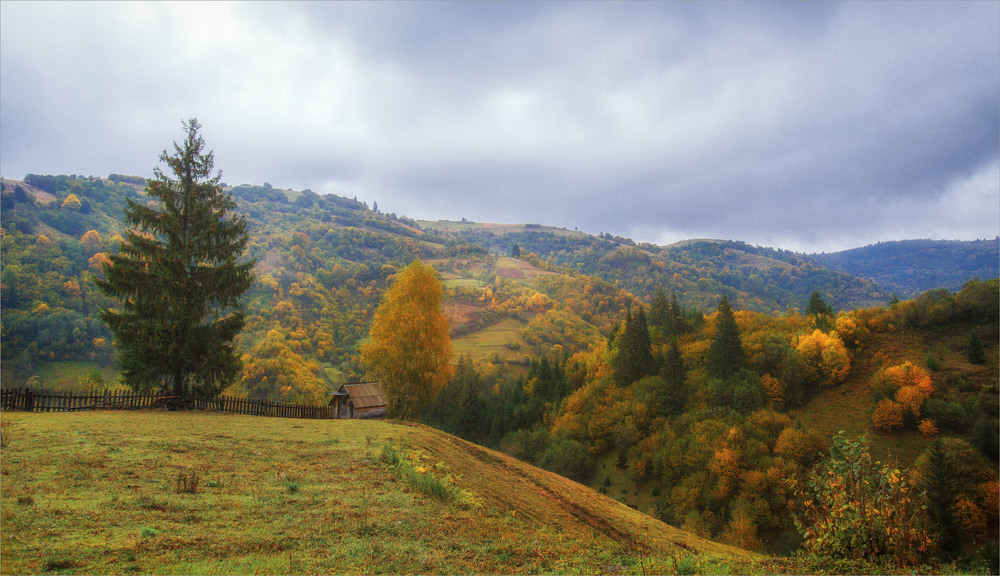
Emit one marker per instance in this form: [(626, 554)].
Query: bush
[(888, 415), (851, 506), (567, 458)]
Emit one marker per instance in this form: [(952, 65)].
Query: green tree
[(178, 279), (633, 355), (939, 483), (974, 349), (675, 375), (409, 348), (821, 312), (468, 410), (725, 353)]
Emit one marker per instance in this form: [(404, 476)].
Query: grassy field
[(183, 493), (60, 375), (502, 339)]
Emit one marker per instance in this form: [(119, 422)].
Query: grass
[(502, 339), (98, 492), (63, 376)]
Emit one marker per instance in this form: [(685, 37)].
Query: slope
[(205, 493)]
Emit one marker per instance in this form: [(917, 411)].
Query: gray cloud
[(812, 126)]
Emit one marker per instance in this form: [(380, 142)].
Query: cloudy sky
[(805, 126)]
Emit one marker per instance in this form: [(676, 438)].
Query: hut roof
[(364, 395)]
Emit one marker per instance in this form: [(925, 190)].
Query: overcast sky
[(804, 126)]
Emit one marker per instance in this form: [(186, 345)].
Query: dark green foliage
[(974, 349), (913, 266), (675, 377), (726, 356), (568, 458), (633, 357), (986, 437), (821, 312), (178, 280), (939, 485)]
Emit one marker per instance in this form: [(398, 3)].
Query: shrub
[(927, 427), (567, 458), (851, 506), (888, 415)]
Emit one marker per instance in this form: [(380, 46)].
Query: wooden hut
[(359, 400)]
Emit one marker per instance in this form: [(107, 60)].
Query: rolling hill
[(100, 493)]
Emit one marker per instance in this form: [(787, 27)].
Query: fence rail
[(41, 401)]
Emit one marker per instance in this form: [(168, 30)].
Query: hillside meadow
[(202, 493)]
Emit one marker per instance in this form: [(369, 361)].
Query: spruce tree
[(725, 353), (974, 350), (659, 312), (633, 358), (178, 279), (938, 482), (674, 375)]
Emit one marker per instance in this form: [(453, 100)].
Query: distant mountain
[(697, 271), (910, 267)]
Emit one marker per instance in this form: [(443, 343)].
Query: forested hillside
[(753, 277), (909, 267)]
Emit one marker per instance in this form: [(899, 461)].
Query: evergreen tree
[(178, 279), (468, 410), (674, 374), (633, 358), (974, 349), (725, 353), (939, 484), (817, 305), (821, 312), (659, 312)]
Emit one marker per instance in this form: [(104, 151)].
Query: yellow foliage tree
[(827, 358), (72, 202), (409, 349), (92, 241)]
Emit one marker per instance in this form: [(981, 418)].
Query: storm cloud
[(805, 126)]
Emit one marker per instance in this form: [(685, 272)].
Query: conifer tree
[(633, 357), (939, 484), (725, 353), (178, 279), (659, 311), (674, 374), (974, 349), (821, 312)]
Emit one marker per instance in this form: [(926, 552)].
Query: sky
[(804, 126)]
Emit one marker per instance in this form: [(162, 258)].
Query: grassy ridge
[(171, 493)]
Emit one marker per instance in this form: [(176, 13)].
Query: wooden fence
[(41, 401)]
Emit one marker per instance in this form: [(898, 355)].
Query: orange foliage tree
[(409, 348), (888, 415)]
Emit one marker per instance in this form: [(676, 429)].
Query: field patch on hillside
[(502, 339), (155, 492)]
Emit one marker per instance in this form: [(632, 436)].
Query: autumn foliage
[(409, 350)]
